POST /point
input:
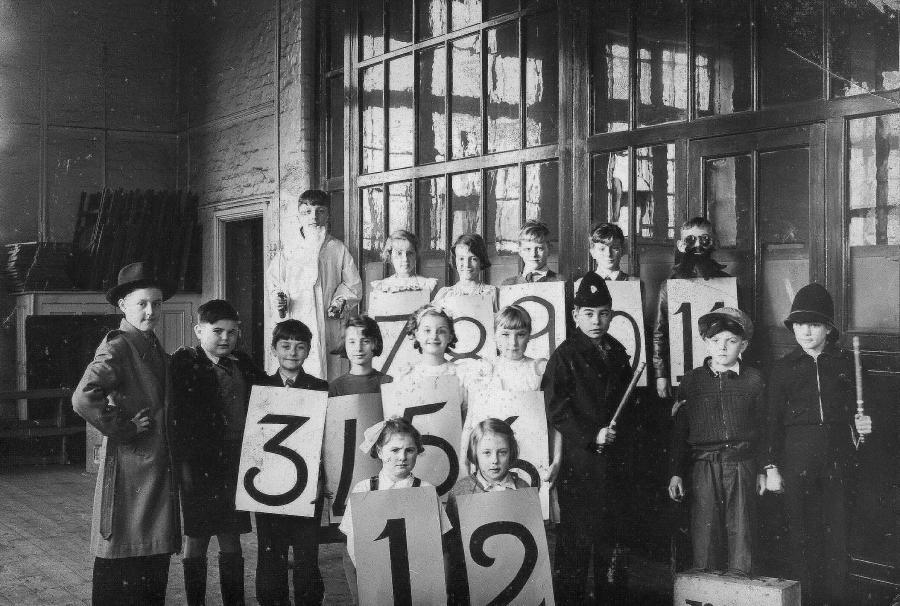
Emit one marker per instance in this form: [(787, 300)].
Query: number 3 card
[(507, 560), (435, 410), (281, 451), (688, 300), (394, 530)]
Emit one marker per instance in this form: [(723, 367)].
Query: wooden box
[(708, 589)]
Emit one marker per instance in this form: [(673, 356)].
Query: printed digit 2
[(550, 328), (347, 463), (395, 532), (524, 465), (492, 529), (437, 442), (482, 338), (292, 423)]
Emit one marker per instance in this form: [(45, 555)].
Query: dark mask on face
[(696, 263)]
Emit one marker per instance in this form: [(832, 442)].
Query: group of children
[(733, 434)]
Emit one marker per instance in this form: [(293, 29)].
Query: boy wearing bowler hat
[(585, 378), (715, 438), (124, 393), (812, 432)]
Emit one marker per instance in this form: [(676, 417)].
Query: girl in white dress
[(401, 249), (470, 259)]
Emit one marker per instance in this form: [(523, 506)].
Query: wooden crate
[(708, 589)]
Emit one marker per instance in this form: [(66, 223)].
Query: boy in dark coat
[(278, 533), (811, 420), (585, 379), (211, 385), (125, 394), (716, 433)]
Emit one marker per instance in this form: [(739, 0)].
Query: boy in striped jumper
[(715, 436)]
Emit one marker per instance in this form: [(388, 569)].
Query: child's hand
[(282, 303), (774, 483), (605, 436), (336, 308), (676, 489), (549, 473), (760, 484), (142, 420), (662, 388), (863, 424)]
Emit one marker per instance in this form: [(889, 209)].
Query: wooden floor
[(45, 520)]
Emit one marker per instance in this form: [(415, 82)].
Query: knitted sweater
[(720, 410)]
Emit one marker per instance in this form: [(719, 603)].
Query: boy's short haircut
[(495, 426), (396, 426), (315, 197), (513, 317), (534, 231), (400, 234), (697, 222), (369, 328), (216, 309), (291, 330), (477, 247), (416, 317), (606, 233)]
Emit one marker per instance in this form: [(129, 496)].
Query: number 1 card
[(281, 451), (688, 300)]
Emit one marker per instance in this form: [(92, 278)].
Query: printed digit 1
[(347, 464), (687, 332), (395, 532)]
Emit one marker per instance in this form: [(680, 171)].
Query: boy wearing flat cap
[(812, 430), (715, 439), (125, 394), (585, 378)]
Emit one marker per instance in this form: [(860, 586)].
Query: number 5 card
[(281, 451), (503, 536), (688, 300)]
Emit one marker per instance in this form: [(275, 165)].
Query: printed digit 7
[(292, 423), (400, 338)]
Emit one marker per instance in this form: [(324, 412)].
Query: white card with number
[(391, 310), (281, 451), (545, 302), (473, 323), (627, 325), (507, 560), (688, 300)]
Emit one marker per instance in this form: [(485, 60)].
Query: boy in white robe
[(319, 294)]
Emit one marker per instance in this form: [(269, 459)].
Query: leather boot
[(231, 578), (195, 581)]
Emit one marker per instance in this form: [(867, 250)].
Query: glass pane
[(722, 68), (465, 97), (372, 211), (401, 213), (873, 174), (541, 80), (464, 13), (503, 82), (432, 198), (371, 29), (400, 112), (465, 204), (728, 184), (372, 104), (783, 233), (609, 70), (610, 197), (337, 24), (336, 141), (399, 23), (432, 18), (503, 209), (494, 8), (432, 105), (864, 48), (654, 191), (662, 62), (542, 201), (790, 51)]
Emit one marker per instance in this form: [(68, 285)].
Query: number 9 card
[(281, 451)]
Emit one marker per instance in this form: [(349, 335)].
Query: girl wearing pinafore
[(401, 249), (470, 259)]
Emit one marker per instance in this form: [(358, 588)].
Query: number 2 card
[(281, 451)]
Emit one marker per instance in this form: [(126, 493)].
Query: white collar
[(537, 272), (385, 483), (507, 483), (613, 275), (736, 367)]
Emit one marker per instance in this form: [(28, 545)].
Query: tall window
[(458, 126)]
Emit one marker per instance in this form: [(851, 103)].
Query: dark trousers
[(588, 525), (277, 534), (816, 509), (137, 581), (722, 511)]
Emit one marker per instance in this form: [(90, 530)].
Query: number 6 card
[(281, 451)]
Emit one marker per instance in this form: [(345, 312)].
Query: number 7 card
[(281, 451)]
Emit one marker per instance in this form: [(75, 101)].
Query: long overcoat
[(135, 501)]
